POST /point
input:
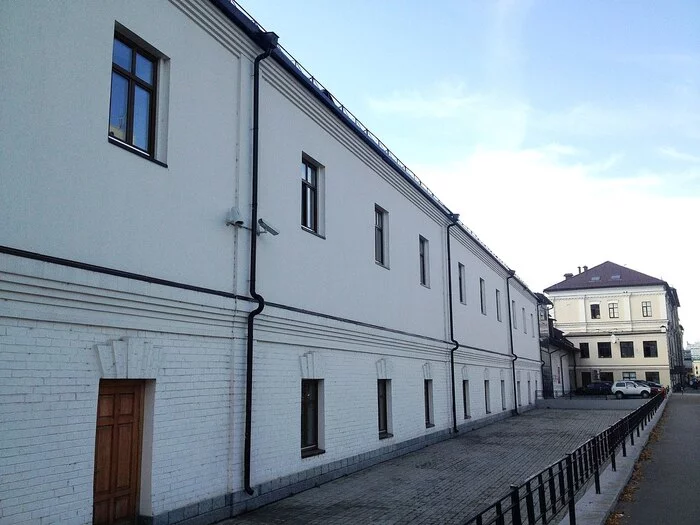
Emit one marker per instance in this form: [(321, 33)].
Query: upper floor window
[(462, 283), (532, 324), (512, 313), (132, 105), (499, 316), (604, 350), (309, 195), (584, 350), (595, 311), (626, 348), (381, 218), (423, 260), (524, 321), (613, 312), (646, 308), (650, 349), (482, 295)]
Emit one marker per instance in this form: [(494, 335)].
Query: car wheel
[(645, 394), (618, 395)]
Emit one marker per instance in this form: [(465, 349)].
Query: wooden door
[(118, 452)]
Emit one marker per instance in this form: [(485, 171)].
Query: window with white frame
[(482, 295), (646, 308), (487, 396), (524, 322), (311, 417), (499, 315), (503, 394), (309, 194), (384, 408), (532, 324), (465, 399), (462, 283), (513, 315), (595, 311), (381, 239), (424, 260), (613, 311), (428, 401)]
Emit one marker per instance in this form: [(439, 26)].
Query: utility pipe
[(454, 218)]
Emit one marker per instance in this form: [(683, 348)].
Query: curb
[(594, 509)]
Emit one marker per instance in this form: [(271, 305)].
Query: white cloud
[(673, 153)]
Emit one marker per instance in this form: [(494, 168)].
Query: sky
[(564, 133)]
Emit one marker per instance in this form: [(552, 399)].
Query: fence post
[(596, 461), (631, 431), (515, 505), (624, 438), (612, 459), (570, 482)]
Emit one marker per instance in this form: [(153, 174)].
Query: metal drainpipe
[(271, 41), (510, 333), (454, 218)]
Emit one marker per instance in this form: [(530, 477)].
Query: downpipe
[(510, 338), (454, 218)]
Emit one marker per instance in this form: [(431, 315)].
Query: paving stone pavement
[(445, 483)]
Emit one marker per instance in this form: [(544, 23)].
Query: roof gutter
[(510, 338), (270, 44), (454, 218)]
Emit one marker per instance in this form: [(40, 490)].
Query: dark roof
[(606, 275)]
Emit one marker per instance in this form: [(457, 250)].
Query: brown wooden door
[(118, 452)]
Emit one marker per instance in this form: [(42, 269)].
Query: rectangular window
[(529, 394), (384, 407), (650, 349), (311, 400), (646, 308), (132, 105), (381, 245), (629, 376), (423, 259), (499, 316), (604, 350), (613, 312), (652, 376), (309, 195), (585, 353), (520, 397), (515, 319), (482, 295), (428, 399), (462, 283), (532, 324), (606, 376), (503, 394), (626, 349), (487, 396), (465, 399), (595, 311), (524, 321)]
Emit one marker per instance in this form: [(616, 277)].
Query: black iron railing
[(544, 496)]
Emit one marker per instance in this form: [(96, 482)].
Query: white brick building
[(127, 246)]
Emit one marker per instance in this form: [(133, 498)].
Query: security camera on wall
[(266, 228), (234, 217)]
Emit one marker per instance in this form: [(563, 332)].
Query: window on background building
[(650, 349), (465, 399), (423, 259), (513, 316), (482, 295), (311, 396), (132, 105), (652, 376), (646, 308), (629, 376), (584, 351), (309, 195), (595, 311), (428, 401), (462, 284), (487, 396), (604, 350), (384, 407), (626, 349), (503, 394), (613, 312), (381, 251), (524, 322), (499, 316)]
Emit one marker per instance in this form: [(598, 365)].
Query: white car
[(629, 388)]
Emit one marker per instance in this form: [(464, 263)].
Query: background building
[(217, 287), (625, 324)]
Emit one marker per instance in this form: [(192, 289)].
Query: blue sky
[(573, 125)]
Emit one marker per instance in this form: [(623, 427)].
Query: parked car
[(598, 388), (630, 388), (656, 388)]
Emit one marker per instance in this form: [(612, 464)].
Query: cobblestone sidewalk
[(445, 483)]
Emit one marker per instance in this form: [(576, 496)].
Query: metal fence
[(548, 493)]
